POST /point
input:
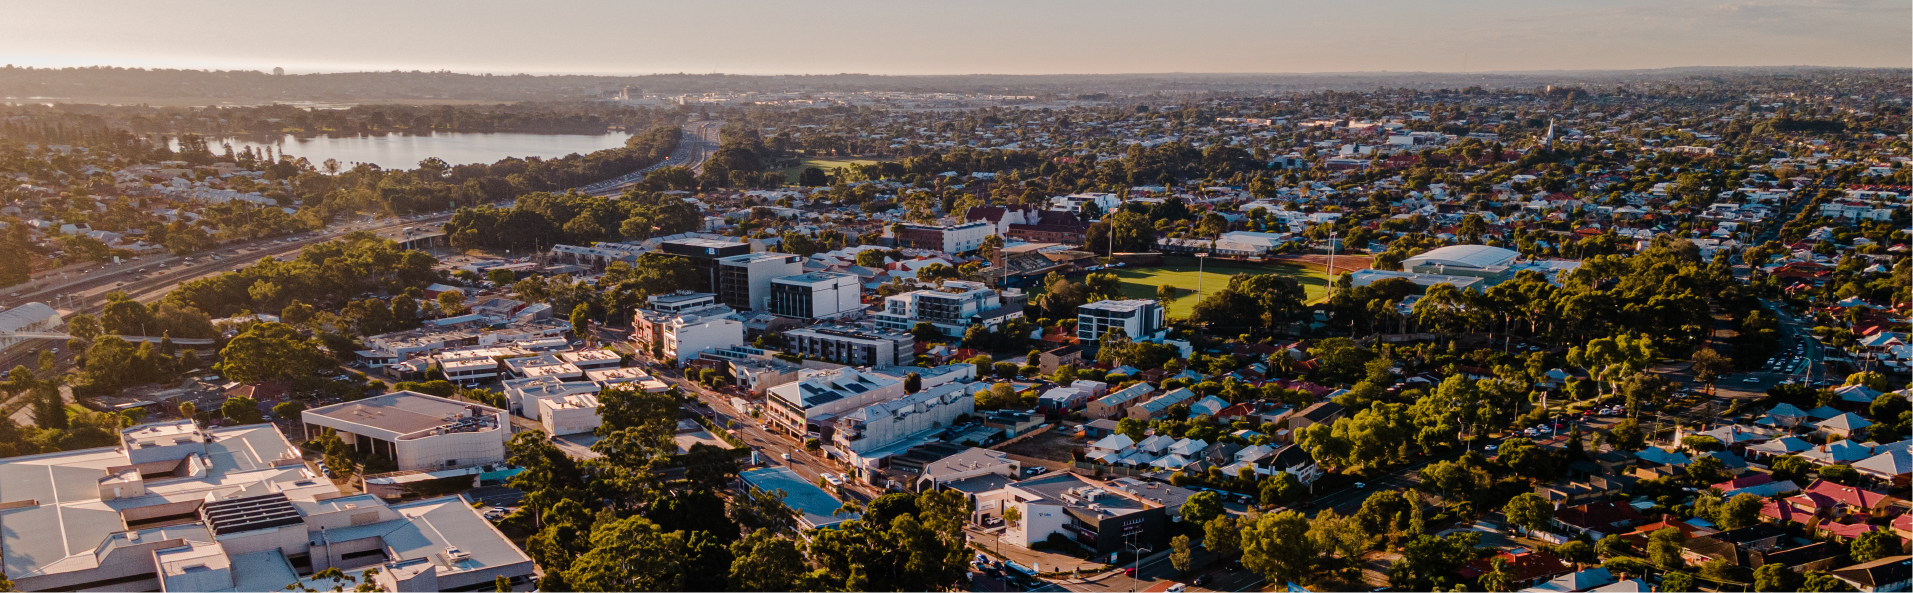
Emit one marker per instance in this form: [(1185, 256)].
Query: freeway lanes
[(699, 141)]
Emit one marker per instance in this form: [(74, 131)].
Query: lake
[(397, 151)]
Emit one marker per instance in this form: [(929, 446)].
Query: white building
[(1481, 261), (684, 337), (744, 281), (952, 308), (174, 507), (1140, 319), (571, 414), (962, 238), (525, 394), (887, 423), (26, 318), (804, 406), (816, 295), (417, 431)]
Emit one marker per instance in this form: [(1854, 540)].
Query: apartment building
[(951, 308), (816, 295), (1140, 319), (952, 239), (886, 423), (744, 281), (851, 346)]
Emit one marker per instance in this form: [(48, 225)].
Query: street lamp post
[(1200, 257)]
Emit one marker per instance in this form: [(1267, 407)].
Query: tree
[(451, 303), (764, 562), (1429, 562), (1181, 555), (1626, 435), (1167, 293), (288, 410), (1132, 428), (1281, 487), (1664, 548), (270, 351), (1202, 506), (1498, 577), (912, 383), (1840, 473), (241, 410), (1277, 546), (501, 584), (1710, 365), (1678, 581), (1817, 581), (1223, 536), (1531, 511), (1776, 577), (1743, 510), (1874, 545), (187, 410)]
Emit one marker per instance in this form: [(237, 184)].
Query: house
[(1051, 360), (1115, 404), (1740, 547), (1099, 428), (1158, 406), (1209, 405), (1593, 579), (1599, 519), (1325, 412), (1525, 569), (1761, 485), (1103, 517), (1892, 573)]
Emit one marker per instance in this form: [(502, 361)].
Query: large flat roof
[(800, 495), (401, 412)]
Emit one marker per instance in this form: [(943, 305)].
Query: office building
[(886, 423), (704, 255), (816, 295), (523, 395), (571, 414), (1140, 319), (176, 507), (851, 346), (1102, 516), (416, 431), (806, 406), (954, 239), (951, 308), (744, 281)]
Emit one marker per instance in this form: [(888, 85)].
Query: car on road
[(1177, 588), (786, 457), (1490, 447), (1751, 380), (1359, 485), (1200, 580)]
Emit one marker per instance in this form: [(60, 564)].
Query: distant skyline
[(973, 37)]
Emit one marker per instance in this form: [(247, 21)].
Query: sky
[(956, 36)]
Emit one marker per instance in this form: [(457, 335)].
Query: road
[(771, 447), (699, 141)]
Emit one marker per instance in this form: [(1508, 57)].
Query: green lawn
[(790, 174), (1180, 272)]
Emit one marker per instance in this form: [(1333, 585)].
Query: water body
[(403, 151)]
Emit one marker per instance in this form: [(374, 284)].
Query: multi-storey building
[(1140, 319), (951, 308), (174, 507), (704, 255), (846, 345), (816, 295), (954, 239), (744, 281), (798, 407), (416, 431)]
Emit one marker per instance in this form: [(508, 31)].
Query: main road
[(700, 140)]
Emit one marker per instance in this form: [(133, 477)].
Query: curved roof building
[(1464, 260)]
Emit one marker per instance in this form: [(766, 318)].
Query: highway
[(699, 142)]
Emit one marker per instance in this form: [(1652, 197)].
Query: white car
[(1751, 380), (1359, 485)]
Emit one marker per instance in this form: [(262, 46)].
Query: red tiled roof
[(1848, 495), (1603, 516), (1523, 567)]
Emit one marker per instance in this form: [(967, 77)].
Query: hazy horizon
[(988, 37)]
